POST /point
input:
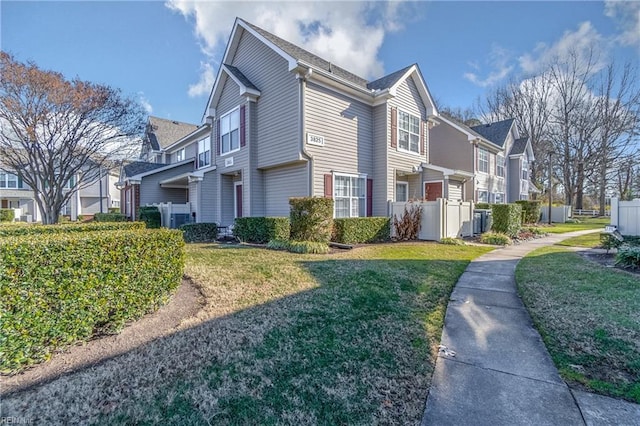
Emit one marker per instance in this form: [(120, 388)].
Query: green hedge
[(150, 215), (109, 217), (483, 206), (357, 230), (65, 228), (531, 210), (199, 232), (507, 218), (58, 289), (7, 215), (261, 230), (311, 219)]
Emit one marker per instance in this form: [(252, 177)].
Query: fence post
[(614, 211)]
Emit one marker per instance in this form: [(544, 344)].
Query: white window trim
[(406, 185), (525, 168), (351, 175), (481, 149), (201, 166), (222, 154), (407, 151), (495, 194), (181, 157), (5, 181), (478, 196), (504, 166)]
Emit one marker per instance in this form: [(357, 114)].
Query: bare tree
[(627, 176), (54, 130), (619, 120)]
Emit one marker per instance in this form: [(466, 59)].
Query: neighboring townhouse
[(96, 197), (493, 153), (159, 134), (518, 158)]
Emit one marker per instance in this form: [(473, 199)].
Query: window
[(499, 198), (500, 165), (483, 196), (180, 155), (408, 132), (349, 196), (70, 183), (525, 169), (204, 152), (402, 192), (7, 180), (483, 160), (230, 132)]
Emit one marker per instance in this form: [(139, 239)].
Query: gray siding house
[(281, 122)]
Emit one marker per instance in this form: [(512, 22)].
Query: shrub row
[(483, 206), (608, 241), (311, 219), (495, 238), (64, 228), (150, 215), (7, 215), (109, 217), (199, 232), (531, 210), (356, 230), (301, 247), (57, 289), (507, 218), (261, 230)]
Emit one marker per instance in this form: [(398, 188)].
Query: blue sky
[(166, 54)]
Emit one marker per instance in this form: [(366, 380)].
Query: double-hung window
[(499, 198), (525, 169), (204, 152), (349, 196), (500, 165), (402, 192), (483, 196), (230, 132), (408, 132), (483, 160), (180, 155), (8, 180)]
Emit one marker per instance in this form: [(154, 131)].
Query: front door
[(432, 190), (238, 199)]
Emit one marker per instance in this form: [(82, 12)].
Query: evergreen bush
[(311, 219), (507, 218)]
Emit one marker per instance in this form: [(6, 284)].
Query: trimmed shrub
[(628, 256), (483, 206), (278, 245), (408, 226), (531, 210), (356, 230), (261, 229), (199, 232), (64, 228), (151, 216), (114, 209), (507, 218), (535, 230), (452, 241), (109, 217), (608, 241), (311, 219), (7, 215), (58, 289), (495, 238)]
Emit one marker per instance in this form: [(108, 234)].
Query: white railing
[(592, 212), (440, 218)]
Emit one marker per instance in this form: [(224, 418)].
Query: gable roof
[(495, 132), (241, 78), (137, 167), (388, 80), (471, 134), (162, 133), (519, 146)]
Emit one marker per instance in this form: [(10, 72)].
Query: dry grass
[(346, 338), (589, 318)]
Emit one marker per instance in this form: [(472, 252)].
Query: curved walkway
[(493, 368)]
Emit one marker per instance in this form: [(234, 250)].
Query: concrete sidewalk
[(493, 368)]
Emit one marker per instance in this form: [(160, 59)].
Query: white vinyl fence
[(440, 218), (626, 216), (559, 214)]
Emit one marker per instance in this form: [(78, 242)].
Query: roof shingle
[(161, 133), (495, 132), (519, 146), (137, 167)]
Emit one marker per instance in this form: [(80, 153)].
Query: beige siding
[(281, 184), (455, 190), (347, 128), (277, 106), (381, 143)]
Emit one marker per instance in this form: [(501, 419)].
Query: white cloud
[(205, 84), (627, 13), (348, 33), (146, 105), (498, 59), (586, 42)]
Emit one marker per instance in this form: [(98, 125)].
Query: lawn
[(585, 223), (588, 318), (344, 338), (588, 240)]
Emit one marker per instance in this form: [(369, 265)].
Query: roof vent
[(330, 67)]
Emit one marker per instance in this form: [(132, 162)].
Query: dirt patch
[(602, 258), (184, 304)]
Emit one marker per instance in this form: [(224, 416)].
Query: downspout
[(301, 118)]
